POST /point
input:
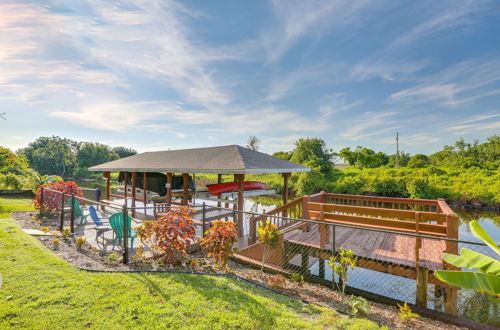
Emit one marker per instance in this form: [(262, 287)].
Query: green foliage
[(313, 153), (403, 159), (419, 161), (90, 154), (342, 263), (52, 155), (112, 259), (359, 306), (364, 157), (406, 314), (123, 152), (487, 276), (64, 157), (283, 155), (297, 278), (269, 236)]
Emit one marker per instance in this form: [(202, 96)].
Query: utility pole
[(397, 149)]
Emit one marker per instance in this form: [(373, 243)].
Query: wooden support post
[(450, 301), (323, 230), (145, 193), (185, 188), (241, 203), (422, 280), (72, 218), (203, 220), (125, 234), (285, 187), (252, 235), (125, 186), (334, 250), (134, 186), (169, 189), (219, 181), (61, 225), (107, 175), (305, 211)]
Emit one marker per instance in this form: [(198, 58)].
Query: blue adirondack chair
[(100, 226), (116, 222)]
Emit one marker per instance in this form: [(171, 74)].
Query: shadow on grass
[(233, 295)]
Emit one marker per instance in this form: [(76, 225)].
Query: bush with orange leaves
[(219, 240), (170, 235)]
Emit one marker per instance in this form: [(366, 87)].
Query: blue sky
[(159, 74)]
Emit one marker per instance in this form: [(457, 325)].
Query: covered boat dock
[(223, 160)]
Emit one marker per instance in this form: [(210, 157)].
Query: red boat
[(219, 188)]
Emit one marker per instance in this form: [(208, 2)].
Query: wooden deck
[(384, 247)]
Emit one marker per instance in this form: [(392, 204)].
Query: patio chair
[(100, 226), (79, 212), (116, 222)]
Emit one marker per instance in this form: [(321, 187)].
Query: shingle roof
[(232, 159)]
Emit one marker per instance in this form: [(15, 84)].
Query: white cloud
[(370, 124), (335, 103), (463, 82), (300, 18)]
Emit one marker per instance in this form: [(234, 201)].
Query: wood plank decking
[(385, 247)]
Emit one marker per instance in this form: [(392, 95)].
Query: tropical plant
[(269, 236), (406, 314), (297, 278), (219, 241), (487, 276), (40, 180), (80, 242), (170, 235), (359, 306), (342, 263)]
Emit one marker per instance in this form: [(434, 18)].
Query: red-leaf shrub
[(219, 240), (52, 200), (170, 235)]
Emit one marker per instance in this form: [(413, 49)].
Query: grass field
[(41, 291)]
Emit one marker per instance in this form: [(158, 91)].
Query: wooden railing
[(426, 205)]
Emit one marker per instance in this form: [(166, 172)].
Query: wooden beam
[(169, 189), (241, 202), (286, 176), (219, 181), (107, 175), (185, 188), (422, 280), (125, 186), (145, 187), (134, 186)]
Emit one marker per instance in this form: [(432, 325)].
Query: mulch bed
[(90, 258)]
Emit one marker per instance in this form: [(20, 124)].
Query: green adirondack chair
[(116, 222), (78, 210)]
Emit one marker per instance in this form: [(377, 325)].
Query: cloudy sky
[(158, 74)]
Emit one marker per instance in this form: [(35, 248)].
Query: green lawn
[(40, 291)]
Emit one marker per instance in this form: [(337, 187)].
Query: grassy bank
[(40, 291)]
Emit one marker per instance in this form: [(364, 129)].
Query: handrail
[(429, 202)]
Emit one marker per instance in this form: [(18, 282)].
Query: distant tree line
[(65, 157), (466, 172)]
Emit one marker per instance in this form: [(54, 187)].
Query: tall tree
[(253, 143), (313, 152), (52, 155), (123, 152), (90, 154)]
